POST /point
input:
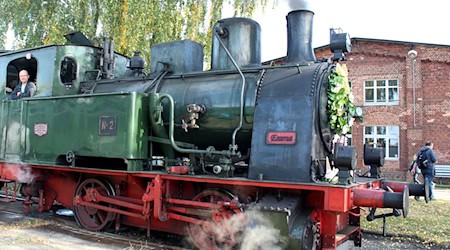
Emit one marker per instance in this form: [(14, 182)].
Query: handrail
[(233, 145)]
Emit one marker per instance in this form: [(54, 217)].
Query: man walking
[(426, 159)]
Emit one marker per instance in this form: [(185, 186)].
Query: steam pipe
[(157, 128), (209, 151), (107, 60), (241, 111)]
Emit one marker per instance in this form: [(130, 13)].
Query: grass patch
[(428, 222)]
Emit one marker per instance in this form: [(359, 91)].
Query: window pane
[(393, 148), (381, 83), (386, 137), (369, 142), (369, 95), (381, 143), (369, 84), (394, 130), (368, 130), (381, 130), (393, 83), (393, 94), (381, 95)]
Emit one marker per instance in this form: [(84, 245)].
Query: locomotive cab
[(56, 70)]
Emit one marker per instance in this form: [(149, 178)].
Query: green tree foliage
[(132, 24)]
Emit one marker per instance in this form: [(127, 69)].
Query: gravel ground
[(50, 238)]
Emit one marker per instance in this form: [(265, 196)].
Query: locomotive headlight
[(373, 156), (345, 157), (339, 43)]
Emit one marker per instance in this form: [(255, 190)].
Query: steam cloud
[(260, 234), (251, 229), (299, 4), (23, 174)]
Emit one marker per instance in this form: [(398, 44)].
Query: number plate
[(107, 125)]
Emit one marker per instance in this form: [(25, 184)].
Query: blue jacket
[(17, 89), (431, 157)]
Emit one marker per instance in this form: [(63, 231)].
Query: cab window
[(68, 70), (27, 63)]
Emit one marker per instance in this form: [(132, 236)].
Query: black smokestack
[(299, 32)]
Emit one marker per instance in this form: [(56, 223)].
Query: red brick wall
[(371, 59)]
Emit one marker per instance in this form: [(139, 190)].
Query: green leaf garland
[(340, 101)]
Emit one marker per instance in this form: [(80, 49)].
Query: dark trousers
[(428, 174)]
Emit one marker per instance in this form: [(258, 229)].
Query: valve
[(190, 121)]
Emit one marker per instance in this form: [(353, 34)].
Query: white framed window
[(381, 92), (386, 137)]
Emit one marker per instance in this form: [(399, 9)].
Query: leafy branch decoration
[(340, 101)]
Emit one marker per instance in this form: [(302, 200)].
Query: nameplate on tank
[(108, 125), (40, 129), (284, 138)]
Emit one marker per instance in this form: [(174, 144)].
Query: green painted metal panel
[(13, 131), (88, 62), (55, 126), (86, 59)]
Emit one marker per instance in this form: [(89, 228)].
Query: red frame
[(333, 205)]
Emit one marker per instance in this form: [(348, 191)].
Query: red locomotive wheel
[(223, 235), (91, 218)]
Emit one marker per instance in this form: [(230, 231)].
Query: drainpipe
[(413, 54)]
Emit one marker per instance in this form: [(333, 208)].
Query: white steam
[(251, 230), (260, 234), (25, 175), (299, 4), (21, 174)]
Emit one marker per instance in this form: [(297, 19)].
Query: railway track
[(57, 231), (45, 227)]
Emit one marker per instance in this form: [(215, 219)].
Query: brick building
[(405, 100)]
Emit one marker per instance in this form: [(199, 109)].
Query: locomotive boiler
[(187, 151)]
